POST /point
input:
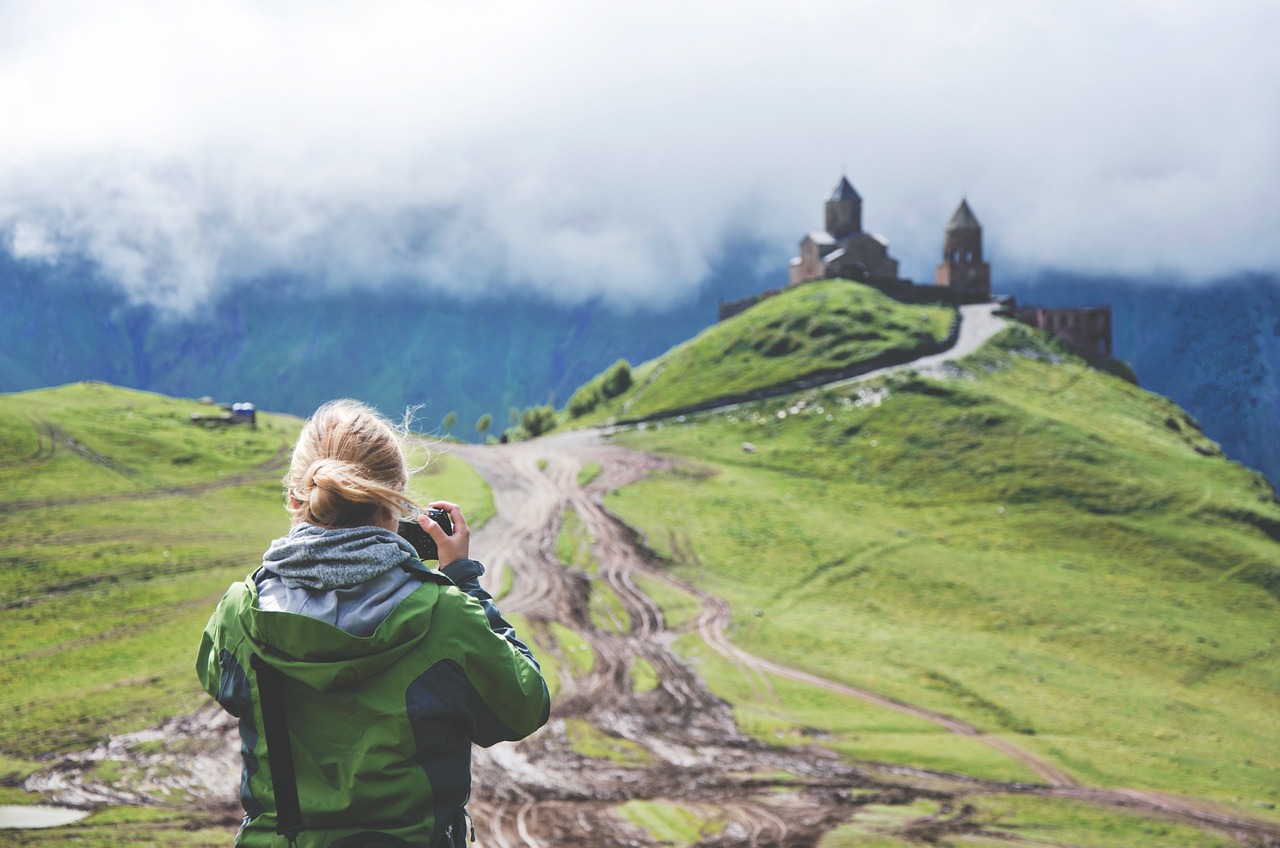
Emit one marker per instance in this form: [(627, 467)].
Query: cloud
[(584, 149)]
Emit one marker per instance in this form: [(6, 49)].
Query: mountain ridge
[(285, 346)]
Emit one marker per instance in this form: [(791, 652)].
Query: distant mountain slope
[(287, 346)]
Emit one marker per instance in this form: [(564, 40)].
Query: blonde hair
[(347, 466)]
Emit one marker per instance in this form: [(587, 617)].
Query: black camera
[(419, 538)]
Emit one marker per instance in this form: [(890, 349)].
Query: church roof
[(821, 237), (964, 219), (843, 191)]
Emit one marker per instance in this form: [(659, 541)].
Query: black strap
[(279, 752)]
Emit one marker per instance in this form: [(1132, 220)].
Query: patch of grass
[(608, 615), (130, 826), (872, 825), (783, 712), (644, 677), (589, 472), (1064, 822), (573, 544), (508, 581), (573, 548), (1030, 547), (668, 823), (589, 741), (575, 650)]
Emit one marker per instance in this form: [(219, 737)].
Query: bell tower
[(844, 211), (962, 267)]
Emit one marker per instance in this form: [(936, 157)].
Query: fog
[(581, 149)]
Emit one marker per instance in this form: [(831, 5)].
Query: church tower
[(962, 267), (844, 211)]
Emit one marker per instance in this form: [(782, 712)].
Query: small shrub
[(536, 420), (617, 379), (584, 400)]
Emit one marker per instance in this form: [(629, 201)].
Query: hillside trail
[(540, 792)]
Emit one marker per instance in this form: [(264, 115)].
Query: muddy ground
[(540, 792)]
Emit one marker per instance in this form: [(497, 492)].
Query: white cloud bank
[(588, 148)]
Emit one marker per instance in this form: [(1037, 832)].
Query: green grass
[(121, 524), (1045, 551), (589, 472), (573, 544), (673, 824), (1020, 819), (130, 825), (589, 741), (817, 327), (573, 652), (573, 548), (644, 677), (786, 713)]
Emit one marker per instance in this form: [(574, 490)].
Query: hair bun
[(327, 473), (346, 466)]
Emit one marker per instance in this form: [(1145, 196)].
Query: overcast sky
[(582, 148)]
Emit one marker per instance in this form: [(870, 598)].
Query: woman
[(359, 675)]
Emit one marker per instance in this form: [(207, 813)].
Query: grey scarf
[(319, 558)]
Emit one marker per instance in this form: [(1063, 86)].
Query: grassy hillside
[(1043, 550), (819, 328), (121, 524), (1038, 548)]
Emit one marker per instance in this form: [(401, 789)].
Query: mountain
[(286, 345)]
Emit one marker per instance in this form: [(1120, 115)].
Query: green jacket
[(380, 726)]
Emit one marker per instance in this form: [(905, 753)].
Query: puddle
[(33, 816)]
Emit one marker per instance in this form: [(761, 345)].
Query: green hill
[(1031, 545), (819, 330)]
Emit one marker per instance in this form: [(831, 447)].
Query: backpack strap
[(275, 727)]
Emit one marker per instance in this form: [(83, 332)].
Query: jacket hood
[(326, 657)]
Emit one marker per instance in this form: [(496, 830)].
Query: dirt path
[(696, 753)]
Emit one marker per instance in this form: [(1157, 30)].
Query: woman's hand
[(451, 548)]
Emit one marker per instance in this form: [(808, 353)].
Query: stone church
[(844, 249), (847, 251)]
